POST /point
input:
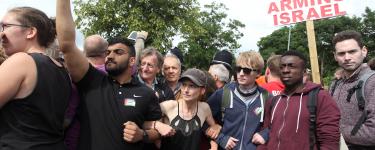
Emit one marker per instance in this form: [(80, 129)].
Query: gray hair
[(175, 57), (149, 51), (220, 71)]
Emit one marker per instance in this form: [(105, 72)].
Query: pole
[(313, 51)]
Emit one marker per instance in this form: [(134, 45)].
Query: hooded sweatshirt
[(288, 121)]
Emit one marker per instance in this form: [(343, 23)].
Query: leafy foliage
[(203, 32), (325, 29)]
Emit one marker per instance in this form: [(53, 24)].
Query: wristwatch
[(145, 136)]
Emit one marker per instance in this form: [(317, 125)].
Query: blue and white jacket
[(240, 121)]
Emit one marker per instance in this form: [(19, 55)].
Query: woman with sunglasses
[(35, 88), (187, 114)]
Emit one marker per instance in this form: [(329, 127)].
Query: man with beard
[(355, 96), (287, 117), (114, 107)]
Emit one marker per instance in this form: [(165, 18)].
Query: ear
[(131, 61), (203, 90), (31, 33), (364, 51), (216, 77), (267, 71)]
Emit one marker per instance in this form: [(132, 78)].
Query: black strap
[(334, 85), (360, 96), (311, 105), (361, 106), (360, 121)]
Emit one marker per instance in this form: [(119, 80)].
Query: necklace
[(188, 114)]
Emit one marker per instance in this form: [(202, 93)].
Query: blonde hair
[(251, 59)]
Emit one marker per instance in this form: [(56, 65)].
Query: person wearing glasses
[(35, 89), (241, 113), (117, 111)]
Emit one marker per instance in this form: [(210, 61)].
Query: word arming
[(287, 12)]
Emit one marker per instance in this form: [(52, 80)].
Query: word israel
[(292, 11)]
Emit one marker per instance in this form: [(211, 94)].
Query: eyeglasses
[(6, 25), (245, 70), (116, 51)]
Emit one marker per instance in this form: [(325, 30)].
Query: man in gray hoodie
[(357, 122)]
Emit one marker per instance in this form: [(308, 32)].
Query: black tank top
[(188, 133), (36, 121)]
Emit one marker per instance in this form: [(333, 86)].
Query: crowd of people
[(116, 94)]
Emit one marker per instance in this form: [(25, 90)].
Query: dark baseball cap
[(198, 77)]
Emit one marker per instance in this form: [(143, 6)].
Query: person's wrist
[(145, 137)]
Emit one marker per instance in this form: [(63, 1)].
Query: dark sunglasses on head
[(245, 70), (116, 51)]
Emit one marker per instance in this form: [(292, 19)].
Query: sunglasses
[(116, 51), (245, 70)]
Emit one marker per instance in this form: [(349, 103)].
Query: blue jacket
[(240, 121)]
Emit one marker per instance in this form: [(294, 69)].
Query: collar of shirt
[(143, 82)]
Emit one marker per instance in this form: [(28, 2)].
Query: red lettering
[(297, 15), (275, 22), (326, 11), (337, 11), (300, 3), (284, 18), (273, 8), (312, 2), (285, 4), (326, 1), (312, 14)]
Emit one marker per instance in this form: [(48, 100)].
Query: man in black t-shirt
[(117, 111)]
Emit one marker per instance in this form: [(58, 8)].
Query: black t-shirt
[(106, 105)]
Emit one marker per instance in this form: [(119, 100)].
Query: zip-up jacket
[(287, 120), (349, 108), (240, 121)]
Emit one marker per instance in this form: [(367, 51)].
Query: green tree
[(276, 43), (162, 19), (210, 34), (203, 33)]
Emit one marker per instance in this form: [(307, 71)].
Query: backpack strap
[(333, 86), (311, 105), (225, 101), (360, 95)]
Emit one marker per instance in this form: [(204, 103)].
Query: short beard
[(118, 70)]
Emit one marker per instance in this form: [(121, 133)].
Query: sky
[(253, 13)]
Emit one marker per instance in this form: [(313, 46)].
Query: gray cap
[(197, 76)]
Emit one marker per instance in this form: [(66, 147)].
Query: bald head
[(95, 46)]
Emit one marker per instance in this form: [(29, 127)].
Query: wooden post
[(313, 51)]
